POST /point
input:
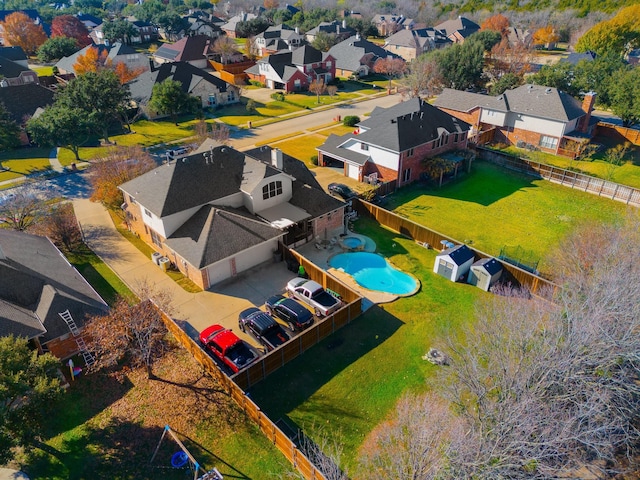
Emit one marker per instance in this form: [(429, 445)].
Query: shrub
[(350, 120), (251, 106), (278, 96), (256, 83), (314, 159)]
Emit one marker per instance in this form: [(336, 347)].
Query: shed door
[(484, 279), (445, 268), (352, 171)]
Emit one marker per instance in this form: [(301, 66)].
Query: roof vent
[(547, 91)]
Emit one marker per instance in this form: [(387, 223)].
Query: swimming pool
[(372, 271)]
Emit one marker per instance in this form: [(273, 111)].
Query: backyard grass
[(44, 71), (351, 381), (302, 147), (107, 427), (493, 207)]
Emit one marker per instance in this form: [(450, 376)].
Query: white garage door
[(352, 171)]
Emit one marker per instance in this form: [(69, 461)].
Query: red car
[(227, 347)]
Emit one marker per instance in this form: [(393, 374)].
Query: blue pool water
[(372, 271)]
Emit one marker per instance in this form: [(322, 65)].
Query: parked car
[(312, 293), (342, 190), (177, 152), (262, 327), (227, 347), (295, 316)]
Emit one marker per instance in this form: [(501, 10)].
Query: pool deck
[(321, 258)]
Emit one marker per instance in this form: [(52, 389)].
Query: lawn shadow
[(485, 185), (289, 387)]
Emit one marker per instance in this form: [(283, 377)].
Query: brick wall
[(328, 222), (384, 174)]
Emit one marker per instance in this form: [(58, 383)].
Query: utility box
[(155, 257)]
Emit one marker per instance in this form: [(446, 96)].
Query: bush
[(314, 159), (251, 106), (350, 120), (256, 83), (278, 96)]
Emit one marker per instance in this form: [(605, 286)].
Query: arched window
[(271, 190)]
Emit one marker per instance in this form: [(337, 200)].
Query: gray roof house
[(278, 37), (231, 27), (116, 53), (211, 90), (23, 102), (36, 285), (388, 24), (218, 211), (458, 29), (339, 29), (356, 56), (196, 50), (392, 144), (15, 54), (544, 117), (410, 44), (13, 73)]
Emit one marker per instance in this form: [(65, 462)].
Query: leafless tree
[(215, 130), (390, 67), (22, 207), (225, 47), (60, 226), (135, 332), (332, 90), (318, 87), (423, 78), (325, 453)]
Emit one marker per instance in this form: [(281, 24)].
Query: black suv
[(262, 327), (341, 190), (294, 315)]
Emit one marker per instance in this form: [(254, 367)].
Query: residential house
[(410, 44), (204, 26), (519, 36), (293, 71), (574, 57), (458, 29), (37, 284), (196, 82), (23, 102), (356, 56), (392, 144), (531, 116), (116, 53), (388, 24), (219, 212), (29, 12), (231, 27), (195, 50), (15, 54), (145, 31), (89, 21), (336, 28), (276, 38), (12, 73)]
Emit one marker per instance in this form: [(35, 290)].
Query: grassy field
[(23, 161), (108, 426), (493, 207), (302, 147), (351, 381)]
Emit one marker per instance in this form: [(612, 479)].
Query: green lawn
[(351, 381), (44, 71), (23, 161), (310, 100), (494, 207), (302, 147)]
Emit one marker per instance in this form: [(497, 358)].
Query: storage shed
[(453, 263), (484, 273)]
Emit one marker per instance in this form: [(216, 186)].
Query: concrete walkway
[(53, 160)]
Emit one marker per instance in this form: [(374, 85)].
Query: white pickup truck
[(312, 293)]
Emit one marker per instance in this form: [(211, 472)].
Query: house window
[(231, 97), (212, 100), (440, 141), (406, 175), (329, 64), (155, 238), (271, 190), (132, 200), (455, 138), (491, 113), (548, 142), (410, 152), (364, 146), (147, 213)]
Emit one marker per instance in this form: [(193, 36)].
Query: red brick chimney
[(587, 105)]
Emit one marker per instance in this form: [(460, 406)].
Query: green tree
[(168, 97), (506, 82), (558, 76), (9, 130), (118, 30), (461, 65), (488, 38), (624, 95), (56, 48), (29, 385), (100, 96), (61, 126), (252, 27), (324, 41)]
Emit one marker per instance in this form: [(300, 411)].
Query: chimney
[(297, 29), (357, 37), (276, 158), (344, 24), (587, 105), (152, 65)]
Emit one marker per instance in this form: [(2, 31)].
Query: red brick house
[(37, 284), (219, 212), (293, 71), (392, 143), (527, 116)]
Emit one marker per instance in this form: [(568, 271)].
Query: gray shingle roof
[(305, 55), (350, 53), (331, 146), (460, 24), (213, 234), (336, 27), (142, 86), (11, 69), (23, 100), (14, 54), (37, 283), (186, 49), (66, 63), (534, 100)]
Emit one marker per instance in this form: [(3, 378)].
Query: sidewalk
[(193, 311)]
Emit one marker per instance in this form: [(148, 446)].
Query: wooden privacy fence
[(236, 385), (567, 178), (536, 285), (616, 131)]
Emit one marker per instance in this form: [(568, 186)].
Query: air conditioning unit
[(155, 257), (164, 263)]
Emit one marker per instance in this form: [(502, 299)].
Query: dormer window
[(271, 190)]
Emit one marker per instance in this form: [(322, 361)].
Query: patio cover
[(283, 215)]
